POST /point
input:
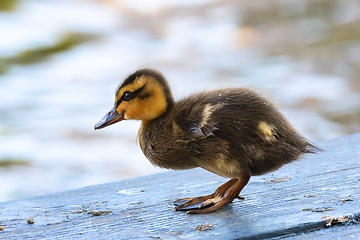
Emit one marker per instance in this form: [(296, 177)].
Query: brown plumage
[(233, 132)]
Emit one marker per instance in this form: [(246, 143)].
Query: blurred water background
[(61, 61)]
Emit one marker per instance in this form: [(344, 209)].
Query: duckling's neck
[(170, 104)]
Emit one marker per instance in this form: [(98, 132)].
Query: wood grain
[(296, 201)]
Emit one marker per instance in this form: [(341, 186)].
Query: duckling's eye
[(127, 96)]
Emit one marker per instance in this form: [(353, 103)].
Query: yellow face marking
[(138, 83), (150, 103), (266, 131)]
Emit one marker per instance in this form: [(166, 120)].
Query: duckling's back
[(224, 131)]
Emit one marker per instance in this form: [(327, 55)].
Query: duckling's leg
[(185, 204), (229, 196), (223, 195)]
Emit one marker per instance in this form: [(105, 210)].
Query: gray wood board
[(292, 202), (340, 232)]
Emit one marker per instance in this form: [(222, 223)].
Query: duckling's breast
[(162, 144)]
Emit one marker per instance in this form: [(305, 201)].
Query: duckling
[(232, 132)]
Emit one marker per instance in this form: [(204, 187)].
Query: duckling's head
[(144, 95)]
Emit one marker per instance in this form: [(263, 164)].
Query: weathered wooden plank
[(340, 232), (300, 197)]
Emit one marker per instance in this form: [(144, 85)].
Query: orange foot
[(223, 195)]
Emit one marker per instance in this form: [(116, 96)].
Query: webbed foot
[(223, 195)]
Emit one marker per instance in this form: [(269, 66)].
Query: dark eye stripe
[(118, 103), (133, 95)]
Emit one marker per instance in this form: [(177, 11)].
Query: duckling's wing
[(203, 131), (195, 118)]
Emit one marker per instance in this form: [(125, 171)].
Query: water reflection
[(61, 61)]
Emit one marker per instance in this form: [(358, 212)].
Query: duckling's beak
[(110, 118)]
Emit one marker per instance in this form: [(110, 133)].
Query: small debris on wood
[(329, 201), (99, 213), (344, 200), (279, 180), (317, 209), (205, 227), (30, 221), (80, 211), (134, 203), (341, 221), (309, 196)]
